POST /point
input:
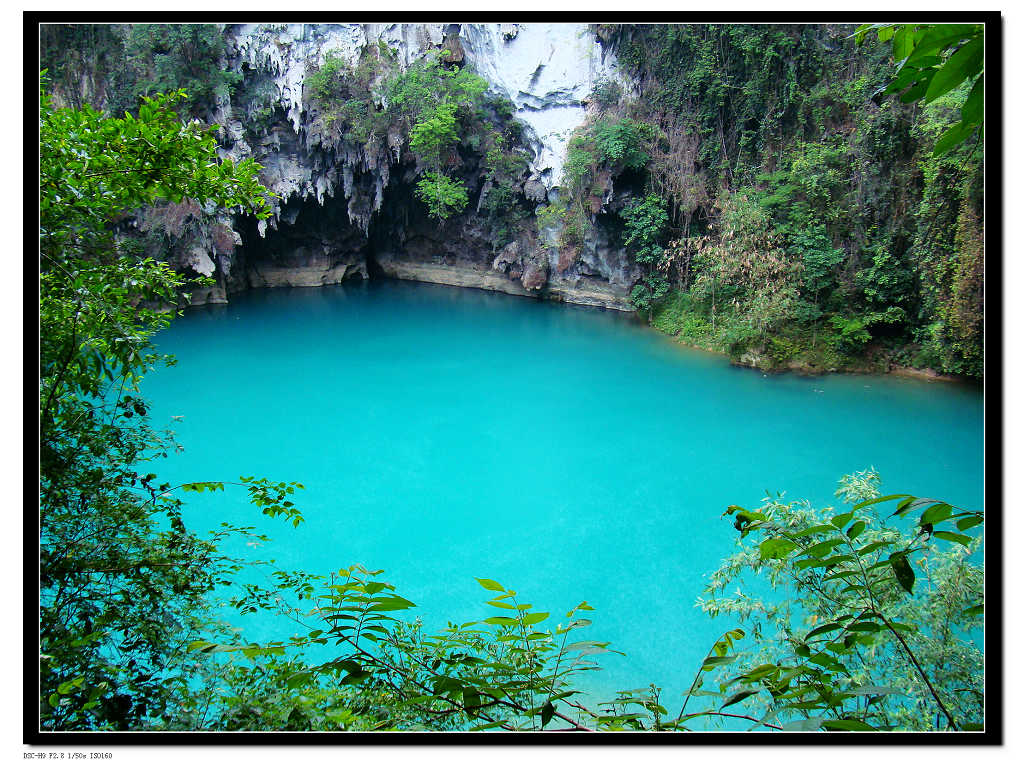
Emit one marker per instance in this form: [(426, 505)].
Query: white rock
[(199, 260), (547, 71)]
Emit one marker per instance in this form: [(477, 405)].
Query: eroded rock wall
[(330, 208)]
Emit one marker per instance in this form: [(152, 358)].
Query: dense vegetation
[(877, 630), (810, 221), (440, 114), (791, 143)]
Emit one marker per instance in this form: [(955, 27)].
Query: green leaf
[(713, 661), (819, 549), (803, 564), (963, 540), (902, 42), (874, 546), (967, 523), (490, 585), (813, 531), (67, 687), (839, 521), (966, 62), (856, 529), (973, 109), (847, 724), (532, 618), (392, 603), (916, 91), (937, 513), (738, 696), (940, 37), (906, 76), (546, 713), (903, 571), (776, 548), (500, 620), (823, 629), (868, 626), (951, 138), (882, 499)]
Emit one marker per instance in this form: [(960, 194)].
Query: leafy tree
[(345, 102), (164, 58), (648, 291), (434, 133), (623, 143), (745, 271), (860, 642), (122, 581), (645, 222), (442, 194), (932, 60), (431, 104), (504, 168), (434, 96)]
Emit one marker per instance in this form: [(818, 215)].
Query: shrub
[(851, 335)]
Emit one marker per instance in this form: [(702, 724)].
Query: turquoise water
[(571, 454)]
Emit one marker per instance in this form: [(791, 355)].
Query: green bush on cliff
[(442, 195), (876, 216)]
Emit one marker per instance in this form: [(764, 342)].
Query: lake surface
[(572, 454)]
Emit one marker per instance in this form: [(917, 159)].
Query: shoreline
[(595, 296)]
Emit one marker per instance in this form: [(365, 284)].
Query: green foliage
[(578, 167), (94, 168), (861, 210), (122, 581), (504, 168), (79, 56), (621, 143), (678, 316), (161, 58), (427, 82), (606, 93), (550, 216), (442, 194), (932, 60), (887, 282), (434, 132), (345, 100), (745, 272), (645, 222), (648, 291), (439, 109), (860, 642), (851, 333), (819, 259)]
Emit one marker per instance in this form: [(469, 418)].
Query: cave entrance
[(311, 245)]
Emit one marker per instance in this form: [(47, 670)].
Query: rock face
[(547, 71), (342, 212)]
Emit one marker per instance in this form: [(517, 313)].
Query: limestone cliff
[(344, 210)]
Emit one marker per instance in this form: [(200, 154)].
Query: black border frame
[(993, 401)]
